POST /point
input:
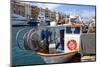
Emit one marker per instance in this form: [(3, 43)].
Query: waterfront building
[(34, 12)]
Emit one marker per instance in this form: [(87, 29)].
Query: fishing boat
[(55, 57)]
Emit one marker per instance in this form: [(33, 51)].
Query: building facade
[(34, 12), (21, 8)]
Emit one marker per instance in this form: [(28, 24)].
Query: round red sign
[(72, 44)]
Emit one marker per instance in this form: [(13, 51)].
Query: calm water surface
[(21, 56)]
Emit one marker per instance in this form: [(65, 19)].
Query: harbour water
[(21, 56)]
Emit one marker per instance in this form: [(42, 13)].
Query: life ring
[(72, 44)]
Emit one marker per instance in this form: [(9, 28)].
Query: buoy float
[(72, 44)]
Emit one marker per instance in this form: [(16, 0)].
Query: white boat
[(18, 20), (42, 18), (58, 57)]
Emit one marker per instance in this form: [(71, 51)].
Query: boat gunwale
[(75, 25), (57, 54)]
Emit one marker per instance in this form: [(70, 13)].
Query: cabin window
[(76, 30)]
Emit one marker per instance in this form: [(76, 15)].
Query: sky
[(83, 10)]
